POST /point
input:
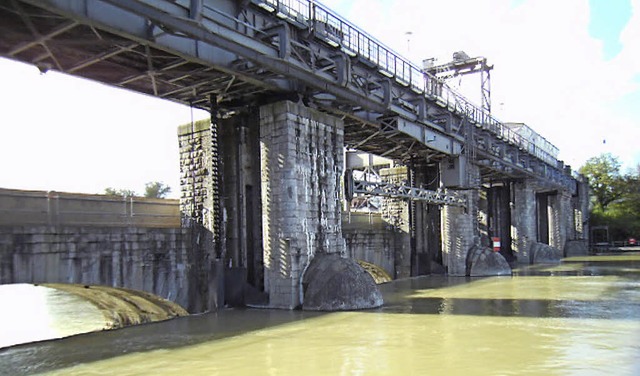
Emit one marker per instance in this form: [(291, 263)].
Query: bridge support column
[(499, 219), (426, 225), (396, 213), (578, 239), (560, 218), (301, 164), (460, 227), (196, 206), (523, 221), (241, 235)]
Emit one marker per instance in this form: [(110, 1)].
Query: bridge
[(290, 85)]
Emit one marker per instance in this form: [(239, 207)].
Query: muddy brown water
[(581, 317)]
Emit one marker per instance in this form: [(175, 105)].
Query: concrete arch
[(378, 274)]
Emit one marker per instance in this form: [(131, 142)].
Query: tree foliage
[(603, 173), (153, 189), (156, 189), (616, 197), (119, 192)]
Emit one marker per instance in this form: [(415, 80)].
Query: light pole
[(408, 34)]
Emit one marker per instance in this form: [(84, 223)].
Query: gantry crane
[(462, 65)]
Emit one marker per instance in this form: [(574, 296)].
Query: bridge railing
[(20, 207), (340, 33)]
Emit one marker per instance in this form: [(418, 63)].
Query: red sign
[(496, 244)]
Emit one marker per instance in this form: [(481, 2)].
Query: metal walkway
[(249, 52)]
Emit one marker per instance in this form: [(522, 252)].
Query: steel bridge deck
[(252, 52)]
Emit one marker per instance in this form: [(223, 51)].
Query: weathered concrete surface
[(561, 218), (198, 192), (545, 254), (460, 227), (395, 213), (483, 262), (301, 152), (427, 256), (370, 239), (334, 283), (146, 259), (576, 248), (523, 221)]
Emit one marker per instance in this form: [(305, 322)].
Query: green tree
[(604, 177), (119, 192), (156, 189), (616, 197)]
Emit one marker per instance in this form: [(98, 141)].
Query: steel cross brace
[(439, 197)]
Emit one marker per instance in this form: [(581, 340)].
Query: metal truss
[(439, 197), (255, 51)]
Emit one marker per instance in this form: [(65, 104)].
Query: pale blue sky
[(607, 20), (570, 69)]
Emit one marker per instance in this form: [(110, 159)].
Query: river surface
[(581, 317)]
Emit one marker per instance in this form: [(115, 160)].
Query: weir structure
[(290, 85)]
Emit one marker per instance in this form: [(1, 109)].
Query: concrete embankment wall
[(369, 238), (135, 243)]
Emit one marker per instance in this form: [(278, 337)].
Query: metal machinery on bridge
[(220, 55), (462, 65)]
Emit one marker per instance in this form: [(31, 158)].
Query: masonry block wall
[(460, 227), (523, 221), (395, 213), (155, 260), (580, 204), (196, 206), (370, 239), (196, 200), (301, 163), (561, 218)]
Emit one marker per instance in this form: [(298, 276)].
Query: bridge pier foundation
[(499, 218), (461, 228), (426, 229), (549, 220), (280, 174), (196, 208), (301, 167), (396, 214), (523, 221), (560, 219)]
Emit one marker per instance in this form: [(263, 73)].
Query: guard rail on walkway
[(340, 33)]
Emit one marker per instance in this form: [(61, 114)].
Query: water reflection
[(581, 318), (34, 313)]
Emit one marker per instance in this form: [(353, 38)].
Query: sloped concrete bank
[(124, 307)]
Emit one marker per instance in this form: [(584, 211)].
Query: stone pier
[(427, 230), (302, 162), (196, 208), (523, 221), (396, 214), (278, 189)]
